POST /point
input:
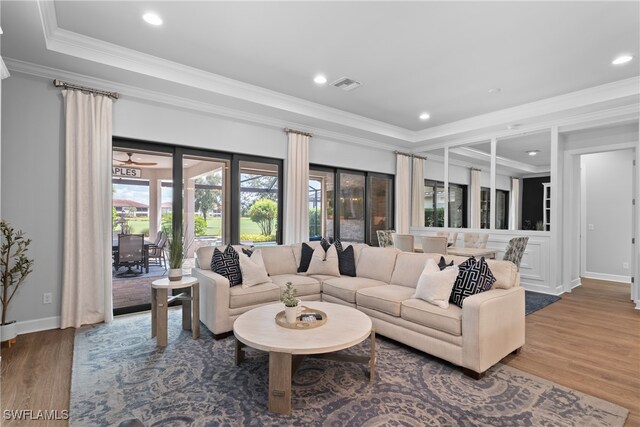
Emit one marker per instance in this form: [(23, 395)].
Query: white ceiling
[(260, 57)]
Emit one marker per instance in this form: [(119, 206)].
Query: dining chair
[(434, 245), (404, 242), (130, 254), (475, 240), (384, 238), (515, 250), (452, 236)]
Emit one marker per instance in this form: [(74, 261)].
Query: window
[(349, 205), (485, 207), (259, 208), (502, 208), (434, 202)]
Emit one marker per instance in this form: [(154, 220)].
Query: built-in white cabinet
[(546, 206)]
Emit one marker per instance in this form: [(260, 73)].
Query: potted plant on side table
[(175, 254), (15, 266)]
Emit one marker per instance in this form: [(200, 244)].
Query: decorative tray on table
[(309, 318)]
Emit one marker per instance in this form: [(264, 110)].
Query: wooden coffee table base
[(282, 367)]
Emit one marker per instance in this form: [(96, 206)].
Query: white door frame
[(578, 214)]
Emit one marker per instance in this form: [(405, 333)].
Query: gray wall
[(32, 167), (608, 192)]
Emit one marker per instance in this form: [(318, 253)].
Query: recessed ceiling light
[(424, 116), (494, 90), (622, 59), (320, 79), (533, 152), (152, 18)]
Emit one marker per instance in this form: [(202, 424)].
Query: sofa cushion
[(442, 264), (306, 252), (377, 263), (474, 277), (386, 299), (421, 312), (408, 268), (346, 261), (204, 255), (258, 294), (345, 288), (304, 285), (297, 250), (435, 285), (505, 272), (324, 262), (279, 260), (227, 264), (252, 267)]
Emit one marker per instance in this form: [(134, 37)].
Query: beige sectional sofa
[(489, 326)]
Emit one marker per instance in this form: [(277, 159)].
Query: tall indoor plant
[(15, 266)]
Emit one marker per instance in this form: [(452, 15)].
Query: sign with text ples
[(127, 172)]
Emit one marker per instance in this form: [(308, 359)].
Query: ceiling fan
[(130, 162)]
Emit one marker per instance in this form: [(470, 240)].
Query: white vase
[(8, 331), (291, 313), (175, 274)]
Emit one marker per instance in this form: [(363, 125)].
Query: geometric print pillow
[(474, 277), (227, 264)]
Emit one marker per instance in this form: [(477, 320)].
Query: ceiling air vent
[(346, 84)]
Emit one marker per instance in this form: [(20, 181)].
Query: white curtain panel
[(86, 271), (296, 214), (475, 198), (403, 193), (514, 204), (417, 193)]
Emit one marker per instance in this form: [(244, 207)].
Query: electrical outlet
[(46, 298), (625, 265)]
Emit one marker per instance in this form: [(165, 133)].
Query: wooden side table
[(160, 302)]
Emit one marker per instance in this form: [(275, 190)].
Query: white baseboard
[(575, 283), (608, 277), (37, 325)]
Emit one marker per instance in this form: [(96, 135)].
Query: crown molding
[(88, 48), (609, 116), (131, 92), (593, 95)]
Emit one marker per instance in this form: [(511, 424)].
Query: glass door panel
[(205, 203), (321, 192), (380, 205), (351, 202), (142, 191), (258, 202)]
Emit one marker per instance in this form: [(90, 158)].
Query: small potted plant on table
[(290, 303), (15, 266), (175, 254)]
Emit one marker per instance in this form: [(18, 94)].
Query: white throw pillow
[(434, 286), (324, 262), (252, 268)]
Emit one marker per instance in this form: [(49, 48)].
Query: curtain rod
[(299, 132), (60, 83), (410, 155)]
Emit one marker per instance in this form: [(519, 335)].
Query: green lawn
[(141, 225)]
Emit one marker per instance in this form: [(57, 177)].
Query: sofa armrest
[(492, 327), (214, 300)]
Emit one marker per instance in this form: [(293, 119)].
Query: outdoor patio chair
[(156, 251), (130, 254)]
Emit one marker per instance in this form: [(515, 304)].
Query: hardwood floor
[(588, 341)]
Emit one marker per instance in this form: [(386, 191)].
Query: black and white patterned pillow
[(346, 261), (325, 244), (474, 277), (247, 252), (306, 252), (442, 264), (227, 264)]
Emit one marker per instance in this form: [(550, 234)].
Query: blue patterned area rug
[(534, 301), (119, 373)]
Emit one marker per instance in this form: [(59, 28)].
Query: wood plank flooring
[(589, 341)]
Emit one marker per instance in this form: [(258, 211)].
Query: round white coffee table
[(160, 301), (257, 328)]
